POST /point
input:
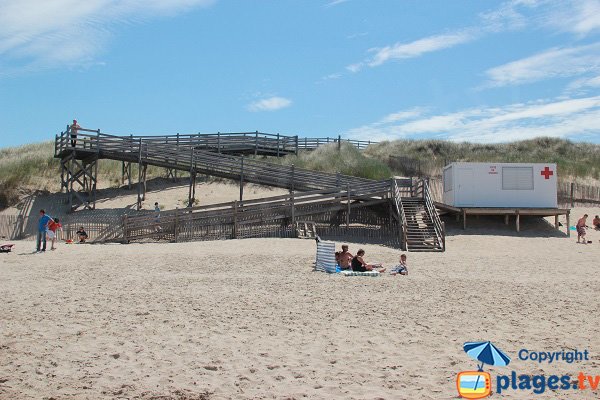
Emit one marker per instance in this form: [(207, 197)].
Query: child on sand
[(81, 235), (401, 268), (53, 226)]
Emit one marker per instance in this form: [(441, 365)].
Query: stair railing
[(400, 210), (431, 210)]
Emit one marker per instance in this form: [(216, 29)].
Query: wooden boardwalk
[(336, 203)]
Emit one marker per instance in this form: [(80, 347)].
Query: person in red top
[(53, 226)]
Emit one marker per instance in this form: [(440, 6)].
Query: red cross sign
[(547, 172)]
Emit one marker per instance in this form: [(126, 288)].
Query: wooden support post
[(292, 183), (296, 147), (464, 213), (277, 144), (256, 143), (293, 206), (125, 240), (556, 221), (572, 194), (192, 191), (337, 179), (568, 223), (348, 207), (518, 221), (144, 170), (219, 142), (139, 186), (457, 217), (176, 159), (443, 236), (242, 179), (506, 217), (235, 211), (176, 225), (95, 181), (122, 172), (339, 142)]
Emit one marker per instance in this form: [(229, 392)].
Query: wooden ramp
[(332, 200)]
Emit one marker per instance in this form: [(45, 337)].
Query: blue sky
[(368, 69)]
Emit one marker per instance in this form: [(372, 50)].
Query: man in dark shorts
[(345, 258)]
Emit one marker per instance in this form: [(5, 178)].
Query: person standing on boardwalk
[(580, 227), (42, 228), (74, 128)]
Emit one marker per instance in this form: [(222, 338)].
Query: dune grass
[(574, 160), (32, 166), (348, 160)]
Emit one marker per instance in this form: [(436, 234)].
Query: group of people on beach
[(47, 230), (348, 262), (582, 224)]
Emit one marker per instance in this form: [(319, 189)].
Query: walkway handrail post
[(296, 140), (242, 179), (339, 142), (235, 211), (348, 210), (277, 144), (219, 142), (256, 143), (176, 225)]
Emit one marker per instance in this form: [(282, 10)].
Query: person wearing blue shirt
[(42, 228)]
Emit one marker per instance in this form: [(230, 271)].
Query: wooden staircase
[(420, 226), (420, 230)]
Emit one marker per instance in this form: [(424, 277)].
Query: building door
[(465, 187)]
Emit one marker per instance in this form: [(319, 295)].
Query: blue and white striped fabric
[(325, 257), (356, 273), (487, 353)]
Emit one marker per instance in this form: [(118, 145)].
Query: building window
[(448, 179), (517, 178)]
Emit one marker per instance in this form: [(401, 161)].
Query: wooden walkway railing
[(232, 218)]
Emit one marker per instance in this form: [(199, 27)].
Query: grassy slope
[(33, 166), (575, 160)]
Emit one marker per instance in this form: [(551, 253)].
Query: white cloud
[(553, 63), (40, 34), (412, 49), (335, 3), (580, 17), (555, 117), (269, 104)]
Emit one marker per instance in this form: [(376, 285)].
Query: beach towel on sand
[(356, 273)]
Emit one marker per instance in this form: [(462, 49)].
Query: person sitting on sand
[(82, 235), (360, 265), (596, 223), (581, 225), (345, 258), (53, 226), (401, 268)]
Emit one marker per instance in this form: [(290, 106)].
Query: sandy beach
[(249, 319)]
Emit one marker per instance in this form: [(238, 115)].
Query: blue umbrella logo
[(486, 353)]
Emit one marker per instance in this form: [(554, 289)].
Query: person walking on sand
[(596, 223), (581, 225), (42, 228), (74, 128)]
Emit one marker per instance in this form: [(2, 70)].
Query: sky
[(478, 71)]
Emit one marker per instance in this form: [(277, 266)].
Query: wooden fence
[(100, 225)]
